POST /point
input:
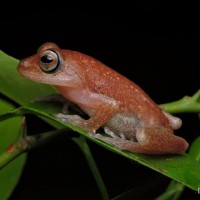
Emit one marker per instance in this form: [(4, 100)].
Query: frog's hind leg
[(148, 141)]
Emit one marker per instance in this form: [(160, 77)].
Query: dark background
[(156, 45)]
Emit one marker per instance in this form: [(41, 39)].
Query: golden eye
[(49, 61)]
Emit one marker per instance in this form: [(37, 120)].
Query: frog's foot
[(73, 119), (67, 105), (119, 142), (110, 133), (113, 135)]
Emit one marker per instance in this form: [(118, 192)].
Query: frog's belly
[(124, 123)]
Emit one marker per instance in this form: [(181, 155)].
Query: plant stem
[(10, 154), (185, 104), (13, 113), (26, 143), (93, 167), (173, 191)]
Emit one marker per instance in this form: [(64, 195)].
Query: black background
[(156, 45)]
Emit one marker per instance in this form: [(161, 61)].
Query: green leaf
[(82, 143), (195, 149), (9, 131), (175, 189), (177, 167)]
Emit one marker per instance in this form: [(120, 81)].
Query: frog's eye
[(49, 61)]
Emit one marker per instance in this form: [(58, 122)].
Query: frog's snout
[(26, 64), (22, 64)]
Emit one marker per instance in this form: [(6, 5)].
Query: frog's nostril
[(21, 66), (23, 63)]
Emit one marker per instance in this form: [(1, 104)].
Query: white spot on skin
[(151, 121), (144, 99)]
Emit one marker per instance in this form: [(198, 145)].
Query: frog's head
[(50, 65)]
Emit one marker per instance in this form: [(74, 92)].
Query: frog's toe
[(74, 119), (110, 133)]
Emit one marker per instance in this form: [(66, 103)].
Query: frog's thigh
[(149, 141), (158, 141)]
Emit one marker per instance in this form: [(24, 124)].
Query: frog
[(131, 120)]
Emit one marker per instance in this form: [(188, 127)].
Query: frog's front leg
[(99, 108), (148, 141)]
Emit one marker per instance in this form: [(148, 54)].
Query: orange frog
[(130, 118)]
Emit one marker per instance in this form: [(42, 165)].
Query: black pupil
[(46, 59)]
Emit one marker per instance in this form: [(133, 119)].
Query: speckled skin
[(112, 101)]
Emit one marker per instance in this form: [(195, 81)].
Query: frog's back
[(104, 80)]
